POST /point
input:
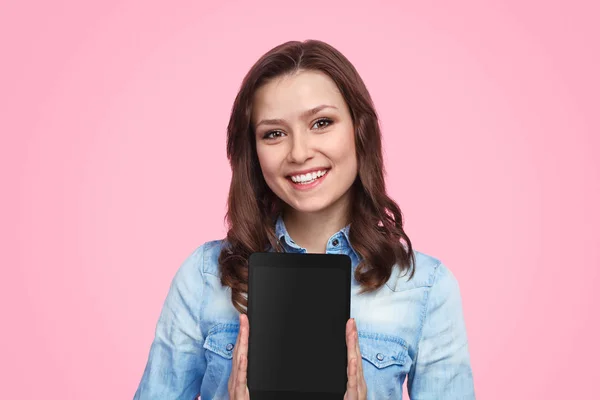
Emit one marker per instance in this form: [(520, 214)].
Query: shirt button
[(229, 347), (335, 242), (379, 356)]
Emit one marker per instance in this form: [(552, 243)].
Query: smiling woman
[(311, 164), (304, 145)]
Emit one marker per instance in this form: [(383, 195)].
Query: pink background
[(113, 170)]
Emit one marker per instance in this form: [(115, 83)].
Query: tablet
[(298, 306)]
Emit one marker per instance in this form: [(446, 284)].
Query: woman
[(305, 150)]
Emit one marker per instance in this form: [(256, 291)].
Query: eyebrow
[(305, 114)]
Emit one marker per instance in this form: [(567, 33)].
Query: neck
[(312, 230)]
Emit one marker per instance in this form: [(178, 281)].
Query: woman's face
[(305, 141)]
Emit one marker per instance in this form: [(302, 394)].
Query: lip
[(306, 171), (308, 186)]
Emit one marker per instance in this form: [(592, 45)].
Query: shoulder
[(210, 256), (428, 271), (202, 260)]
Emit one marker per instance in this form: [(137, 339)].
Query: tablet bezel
[(341, 262)]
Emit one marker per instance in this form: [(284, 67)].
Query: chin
[(309, 205)]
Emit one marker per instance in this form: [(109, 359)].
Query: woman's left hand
[(357, 387)]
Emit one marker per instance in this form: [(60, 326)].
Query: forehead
[(289, 95)]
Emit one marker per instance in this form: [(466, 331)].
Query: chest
[(389, 323)]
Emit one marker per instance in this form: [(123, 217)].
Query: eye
[(322, 123), (269, 136)]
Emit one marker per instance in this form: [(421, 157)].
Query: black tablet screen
[(297, 329)]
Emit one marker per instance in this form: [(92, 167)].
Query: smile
[(309, 180)]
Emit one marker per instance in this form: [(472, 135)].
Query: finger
[(242, 371), (241, 383), (352, 386), (350, 347), (358, 355), (236, 350), (235, 364), (244, 333), (362, 384)]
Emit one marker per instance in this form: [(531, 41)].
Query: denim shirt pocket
[(219, 344), (382, 350), (384, 364), (221, 339)]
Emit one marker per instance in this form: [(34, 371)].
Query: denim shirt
[(407, 329)]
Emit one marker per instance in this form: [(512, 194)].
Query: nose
[(300, 150)]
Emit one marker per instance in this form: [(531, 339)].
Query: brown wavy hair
[(376, 232)]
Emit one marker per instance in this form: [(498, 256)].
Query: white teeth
[(307, 178)]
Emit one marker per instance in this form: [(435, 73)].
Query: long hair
[(376, 232)]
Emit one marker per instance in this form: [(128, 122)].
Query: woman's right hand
[(238, 385)]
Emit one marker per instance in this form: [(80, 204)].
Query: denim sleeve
[(442, 367), (176, 363)]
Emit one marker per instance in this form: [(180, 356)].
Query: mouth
[(309, 180)]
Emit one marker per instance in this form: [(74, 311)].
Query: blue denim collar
[(343, 235)]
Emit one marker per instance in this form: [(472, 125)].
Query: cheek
[(268, 160), (343, 150)]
